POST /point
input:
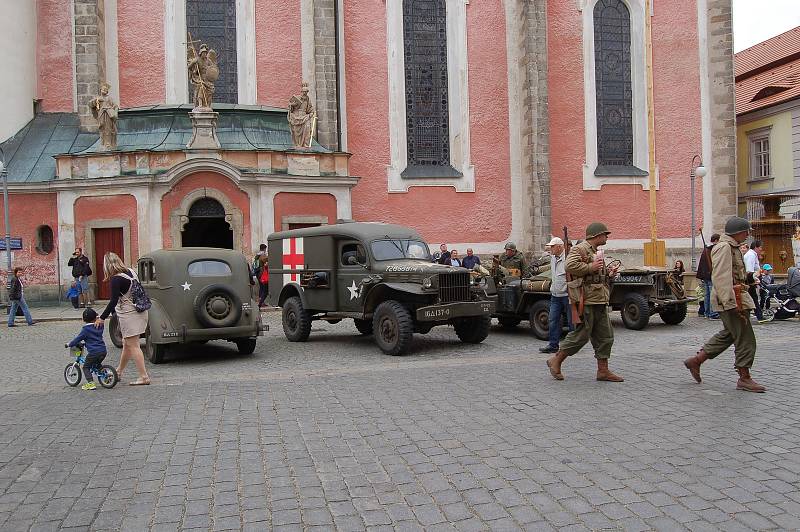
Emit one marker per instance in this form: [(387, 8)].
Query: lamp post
[(697, 171)]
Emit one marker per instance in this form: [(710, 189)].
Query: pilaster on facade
[(325, 75), (90, 59)]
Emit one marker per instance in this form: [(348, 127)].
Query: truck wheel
[(246, 346), (296, 320), (393, 327), (540, 319), (635, 311), (473, 330), (113, 331), (363, 326), (154, 352), (508, 322), (674, 314)]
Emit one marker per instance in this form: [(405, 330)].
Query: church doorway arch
[(207, 225)]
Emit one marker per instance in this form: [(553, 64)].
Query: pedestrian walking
[(730, 296), (588, 289), (704, 274), (17, 298), (559, 300)]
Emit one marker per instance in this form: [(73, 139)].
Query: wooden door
[(105, 240)]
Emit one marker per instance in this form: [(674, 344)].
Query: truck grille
[(454, 287)]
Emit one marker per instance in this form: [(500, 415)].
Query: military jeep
[(640, 293), (380, 276), (197, 294), (526, 299)]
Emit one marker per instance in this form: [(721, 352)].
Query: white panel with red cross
[(292, 258)]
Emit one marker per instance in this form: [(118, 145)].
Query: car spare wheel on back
[(217, 306)]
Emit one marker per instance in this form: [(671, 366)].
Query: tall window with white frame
[(426, 87), (613, 89), (213, 22), (759, 157)]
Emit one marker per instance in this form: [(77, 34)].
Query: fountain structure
[(776, 222)]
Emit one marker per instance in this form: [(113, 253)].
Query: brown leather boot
[(693, 364), (554, 364), (605, 374), (746, 383)]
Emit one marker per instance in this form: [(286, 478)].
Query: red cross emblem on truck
[(292, 258)]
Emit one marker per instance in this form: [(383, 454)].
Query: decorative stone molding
[(302, 219), (179, 216)]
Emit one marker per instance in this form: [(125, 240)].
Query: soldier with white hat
[(559, 300)]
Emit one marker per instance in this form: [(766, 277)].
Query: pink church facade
[(505, 142)]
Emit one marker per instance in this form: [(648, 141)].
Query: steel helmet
[(510, 245), (596, 229), (736, 224)]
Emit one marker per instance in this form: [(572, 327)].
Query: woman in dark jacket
[(15, 295)]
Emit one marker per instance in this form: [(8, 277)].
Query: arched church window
[(427, 110), (614, 91), (44, 239), (206, 208), (213, 22)]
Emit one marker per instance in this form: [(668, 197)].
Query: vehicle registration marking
[(170, 335), (437, 313)]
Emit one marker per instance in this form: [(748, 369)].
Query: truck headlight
[(427, 283)]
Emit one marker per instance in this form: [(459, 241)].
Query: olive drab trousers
[(739, 333), (596, 328)]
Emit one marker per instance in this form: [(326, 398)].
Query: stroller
[(780, 300)]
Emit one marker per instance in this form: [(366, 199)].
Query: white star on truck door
[(355, 291)]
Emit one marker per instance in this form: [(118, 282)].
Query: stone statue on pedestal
[(203, 72), (105, 111), (302, 119)]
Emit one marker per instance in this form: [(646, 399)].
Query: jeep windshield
[(396, 248)]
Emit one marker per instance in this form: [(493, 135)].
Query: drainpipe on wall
[(336, 66)]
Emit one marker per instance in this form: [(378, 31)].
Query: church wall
[(439, 213), (677, 127), (278, 51), (172, 201), (27, 212), (55, 56), (141, 52), (18, 43), (93, 209), (304, 208)]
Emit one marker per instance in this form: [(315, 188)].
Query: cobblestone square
[(333, 435)]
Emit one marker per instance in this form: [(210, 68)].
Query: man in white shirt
[(753, 265), (559, 301)]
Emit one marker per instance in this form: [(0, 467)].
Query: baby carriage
[(780, 300)]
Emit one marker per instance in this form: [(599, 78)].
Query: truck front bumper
[(449, 311)]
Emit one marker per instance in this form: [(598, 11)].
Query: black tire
[(114, 331), (509, 322), (539, 317), (635, 311), (153, 352), (296, 320), (393, 327), (246, 346), (363, 326), (73, 374), (675, 314), (473, 330), (107, 377), (217, 305)]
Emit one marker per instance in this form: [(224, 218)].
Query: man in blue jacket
[(92, 337)]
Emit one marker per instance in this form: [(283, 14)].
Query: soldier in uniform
[(588, 289), (513, 259), (730, 280)]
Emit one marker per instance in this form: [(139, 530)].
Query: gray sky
[(755, 21)]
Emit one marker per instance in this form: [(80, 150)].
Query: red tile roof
[(768, 73)]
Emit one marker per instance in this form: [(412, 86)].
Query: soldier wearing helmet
[(588, 296), (513, 259), (730, 280)]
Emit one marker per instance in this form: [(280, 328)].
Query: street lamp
[(4, 174), (697, 171)]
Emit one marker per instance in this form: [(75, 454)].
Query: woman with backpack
[(132, 320)]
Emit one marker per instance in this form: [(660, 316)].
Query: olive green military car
[(197, 294), (380, 276)]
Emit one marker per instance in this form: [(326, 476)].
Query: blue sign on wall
[(16, 243)]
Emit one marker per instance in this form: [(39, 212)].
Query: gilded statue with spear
[(203, 72)]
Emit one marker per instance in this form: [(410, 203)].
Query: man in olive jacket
[(730, 296), (589, 290)]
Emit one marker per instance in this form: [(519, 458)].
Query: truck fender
[(292, 290)]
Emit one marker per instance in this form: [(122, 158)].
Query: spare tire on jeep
[(217, 306)]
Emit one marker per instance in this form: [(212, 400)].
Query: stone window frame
[(179, 216), (302, 219), (177, 89), (641, 157), (41, 247), (458, 101), (755, 136)]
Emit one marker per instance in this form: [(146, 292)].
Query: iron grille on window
[(612, 56), (206, 208), (427, 111), (213, 22)]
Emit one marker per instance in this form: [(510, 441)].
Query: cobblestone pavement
[(331, 434)]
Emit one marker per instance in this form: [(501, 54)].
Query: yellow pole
[(656, 254)]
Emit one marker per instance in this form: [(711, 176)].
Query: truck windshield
[(395, 248)]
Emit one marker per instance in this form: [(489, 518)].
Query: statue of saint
[(203, 72), (302, 118), (105, 110)]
